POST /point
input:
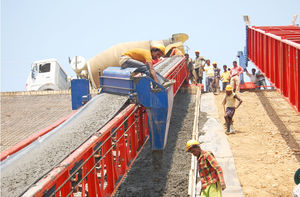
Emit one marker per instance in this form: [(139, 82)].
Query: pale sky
[(40, 29)]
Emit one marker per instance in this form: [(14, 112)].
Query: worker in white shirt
[(209, 70)]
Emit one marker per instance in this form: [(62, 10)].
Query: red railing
[(99, 165), (179, 73), (96, 166), (275, 50)]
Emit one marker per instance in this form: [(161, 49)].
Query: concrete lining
[(214, 139)]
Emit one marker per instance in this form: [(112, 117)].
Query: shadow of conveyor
[(284, 131), (170, 177)]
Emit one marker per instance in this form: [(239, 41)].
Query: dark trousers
[(142, 68), (224, 84)]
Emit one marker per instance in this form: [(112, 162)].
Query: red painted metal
[(275, 50), (32, 138), (99, 165), (179, 73)]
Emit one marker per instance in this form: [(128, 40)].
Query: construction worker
[(235, 73), (173, 49), (190, 67), (253, 77), (229, 108), (142, 60), (225, 77), (216, 80), (199, 66), (261, 81), (211, 174), (209, 69)]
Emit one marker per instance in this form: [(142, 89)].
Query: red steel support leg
[(132, 138), (67, 187), (123, 155), (297, 71), (92, 176), (109, 166)]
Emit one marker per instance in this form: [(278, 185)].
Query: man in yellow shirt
[(225, 77), (142, 60), (209, 69)]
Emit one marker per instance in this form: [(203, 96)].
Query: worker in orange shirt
[(174, 52), (142, 60)]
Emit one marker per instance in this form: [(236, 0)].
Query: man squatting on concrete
[(210, 172), (142, 60), (229, 108)]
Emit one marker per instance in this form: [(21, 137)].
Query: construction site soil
[(24, 115), (173, 176), (266, 144)]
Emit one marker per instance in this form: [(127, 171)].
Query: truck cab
[(47, 75)]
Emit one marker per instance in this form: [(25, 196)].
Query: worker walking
[(216, 80), (210, 172), (235, 73), (225, 77), (199, 66), (229, 108), (209, 69), (142, 60)]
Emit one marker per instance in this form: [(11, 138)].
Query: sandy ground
[(266, 144), (172, 179)]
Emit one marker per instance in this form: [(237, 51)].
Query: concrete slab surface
[(213, 138)]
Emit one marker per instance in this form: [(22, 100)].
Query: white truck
[(47, 75)]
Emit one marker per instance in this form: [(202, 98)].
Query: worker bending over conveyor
[(142, 60)]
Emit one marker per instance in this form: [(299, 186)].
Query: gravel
[(172, 178)]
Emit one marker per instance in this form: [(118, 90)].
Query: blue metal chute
[(159, 108), (117, 80), (158, 102)]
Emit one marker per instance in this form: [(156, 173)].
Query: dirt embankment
[(172, 178), (22, 116), (266, 144)]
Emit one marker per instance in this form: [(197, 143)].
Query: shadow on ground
[(284, 131)]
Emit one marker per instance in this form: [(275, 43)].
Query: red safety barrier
[(179, 73), (32, 138), (98, 166), (275, 50)]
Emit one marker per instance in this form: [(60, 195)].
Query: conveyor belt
[(23, 169)]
